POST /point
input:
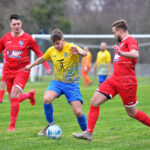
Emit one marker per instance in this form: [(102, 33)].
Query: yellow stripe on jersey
[(65, 63), (103, 58)]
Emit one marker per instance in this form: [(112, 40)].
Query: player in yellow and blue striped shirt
[(102, 63), (65, 57)]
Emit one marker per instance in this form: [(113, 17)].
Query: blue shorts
[(102, 78), (70, 90)]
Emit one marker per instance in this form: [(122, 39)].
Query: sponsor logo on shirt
[(21, 43), (117, 57), (65, 54), (121, 44), (54, 56), (14, 53)]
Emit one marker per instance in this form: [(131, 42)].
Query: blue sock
[(48, 109), (82, 122)]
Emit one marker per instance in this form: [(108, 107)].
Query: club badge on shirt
[(21, 43)]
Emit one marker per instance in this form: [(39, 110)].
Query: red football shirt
[(18, 50), (124, 68)]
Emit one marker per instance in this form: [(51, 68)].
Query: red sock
[(1, 95), (14, 111), (92, 118), (23, 97), (142, 117)]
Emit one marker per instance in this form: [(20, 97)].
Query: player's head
[(85, 48), (57, 39), (15, 23), (103, 46), (119, 27)]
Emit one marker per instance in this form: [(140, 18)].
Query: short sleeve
[(132, 44), (46, 55)]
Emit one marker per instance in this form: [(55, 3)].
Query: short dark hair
[(120, 24), (56, 35), (14, 16)]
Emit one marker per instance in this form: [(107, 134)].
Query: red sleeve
[(34, 46), (2, 44), (132, 44)]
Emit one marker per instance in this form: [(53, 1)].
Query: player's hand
[(116, 48), (74, 51), (28, 67), (48, 72)]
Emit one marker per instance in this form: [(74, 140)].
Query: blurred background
[(81, 17)]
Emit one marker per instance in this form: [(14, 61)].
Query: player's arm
[(1, 45), (77, 51), (93, 68), (36, 49), (39, 60), (133, 54)]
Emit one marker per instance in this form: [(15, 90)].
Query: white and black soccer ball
[(54, 132)]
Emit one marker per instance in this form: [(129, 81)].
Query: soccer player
[(86, 65), (17, 45), (102, 63), (65, 57), (122, 82), (3, 83)]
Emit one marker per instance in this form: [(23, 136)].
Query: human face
[(103, 46), (16, 26), (59, 45), (117, 34)]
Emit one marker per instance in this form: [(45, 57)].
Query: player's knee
[(13, 95), (47, 99), (78, 112), (131, 114)]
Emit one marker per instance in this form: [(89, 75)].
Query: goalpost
[(93, 42)]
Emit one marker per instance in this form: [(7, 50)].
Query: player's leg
[(51, 93), (83, 73), (93, 115), (101, 95), (2, 91), (20, 81), (77, 109), (3, 83), (14, 99), (88, 80), (138, 115), (128, 95)]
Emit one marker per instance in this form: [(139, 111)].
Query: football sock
[(48, 109), (14, 111), (142, 117), (24, 96), (92, 118), (1, 95), (82, 122)]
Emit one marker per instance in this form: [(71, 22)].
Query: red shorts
[(17, 78), (127, 91)]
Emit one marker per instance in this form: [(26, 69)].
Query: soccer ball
[(54, 132)]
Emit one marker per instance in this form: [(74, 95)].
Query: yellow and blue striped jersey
[(103, 58), (65, 63)]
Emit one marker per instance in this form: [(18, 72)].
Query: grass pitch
[(114, 129)]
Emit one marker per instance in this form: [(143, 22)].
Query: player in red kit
[(122, 82), (3, 83), (17, 45)]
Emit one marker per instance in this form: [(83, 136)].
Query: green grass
[(114, 129)]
